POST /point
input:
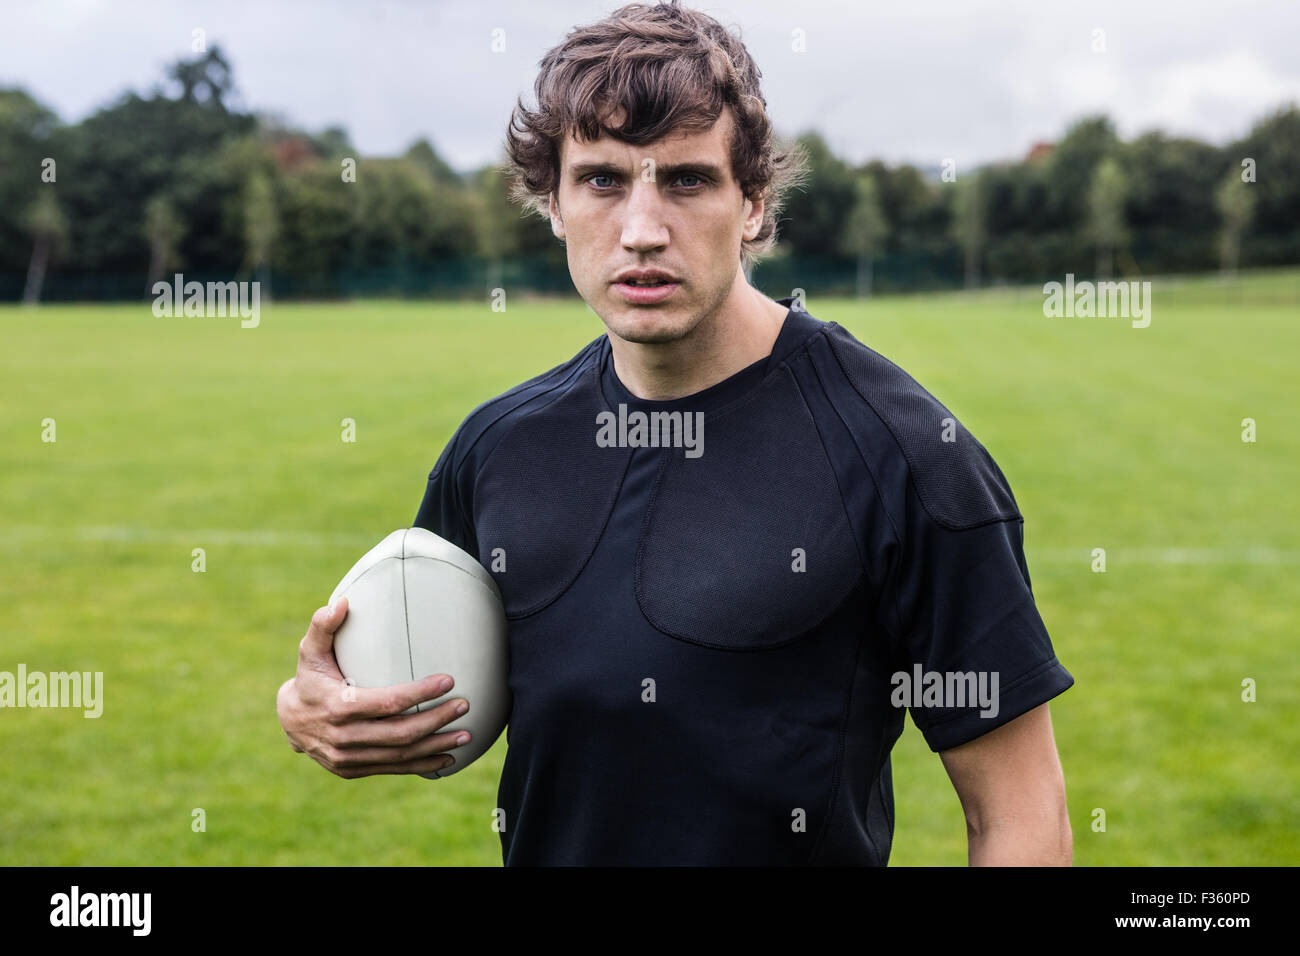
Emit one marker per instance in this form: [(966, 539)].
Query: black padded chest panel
[(716, 564), (543, 497)]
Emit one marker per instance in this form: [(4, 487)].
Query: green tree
[(205, 80), (1106, 227), (28, 134), (318, 213), (126, 154), (1073, 164), (1235, 201), (334, 143), (1272, 152), (815, 217), (261, 228), (422, 154), (968, 224), (49, 231), (1170, 200), (865, 231), (914, 209), (164, 229)]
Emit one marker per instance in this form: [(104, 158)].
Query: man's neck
[(738, 335)]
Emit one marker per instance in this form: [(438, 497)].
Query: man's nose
[(644, 223)]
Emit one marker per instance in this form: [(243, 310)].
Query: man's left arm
[(1012, 790)]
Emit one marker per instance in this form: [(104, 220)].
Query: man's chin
[(647, 326), (651, 336)]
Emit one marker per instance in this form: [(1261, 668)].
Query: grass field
[(184, 433)]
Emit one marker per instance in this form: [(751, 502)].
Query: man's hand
[(359, 731)]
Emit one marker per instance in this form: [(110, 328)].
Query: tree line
[(179, 180)]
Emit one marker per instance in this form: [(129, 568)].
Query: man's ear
[(754, 218), (557, 223)]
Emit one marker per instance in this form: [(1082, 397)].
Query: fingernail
[(444, 686), (462, 707), (462, 739)]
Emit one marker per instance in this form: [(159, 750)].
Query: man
[(733, 542)]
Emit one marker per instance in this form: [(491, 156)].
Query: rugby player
[(735, 544)]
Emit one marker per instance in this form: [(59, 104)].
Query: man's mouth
[(646, 291)]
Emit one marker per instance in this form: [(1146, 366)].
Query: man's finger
[(422, 765), (391, 701), (429, 746), (400, 731), (316, 649)]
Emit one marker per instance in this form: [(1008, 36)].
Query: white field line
[(1120, 555), (194, 538)]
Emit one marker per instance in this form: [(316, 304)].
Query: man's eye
[(700, 183)]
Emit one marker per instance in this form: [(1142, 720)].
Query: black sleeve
[(964, 611), (443, 510)]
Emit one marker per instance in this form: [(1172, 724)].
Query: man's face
[(671, 205)]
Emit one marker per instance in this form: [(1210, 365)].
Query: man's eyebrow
[(583, 170)]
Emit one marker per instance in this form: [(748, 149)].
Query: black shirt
[(704, 638)]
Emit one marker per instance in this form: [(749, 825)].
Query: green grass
[(176, 434)]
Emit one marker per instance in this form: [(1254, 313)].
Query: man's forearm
[(1021, 844)]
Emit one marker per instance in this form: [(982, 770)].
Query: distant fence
[(473, 279), (451, 278)]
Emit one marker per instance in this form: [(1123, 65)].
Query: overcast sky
[(907, 81)]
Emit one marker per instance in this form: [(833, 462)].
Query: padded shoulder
[(957, 481), (449, 505), (494, 417)]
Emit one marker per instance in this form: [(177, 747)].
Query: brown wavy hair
[(666, 69)]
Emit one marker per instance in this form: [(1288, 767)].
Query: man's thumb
[(319, 642)]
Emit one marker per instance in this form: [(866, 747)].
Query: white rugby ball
[(419, 605)]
